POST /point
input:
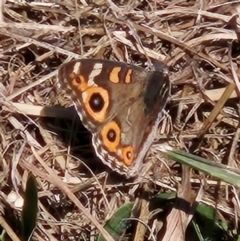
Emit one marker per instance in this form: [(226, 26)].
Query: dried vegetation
[(197, 40)]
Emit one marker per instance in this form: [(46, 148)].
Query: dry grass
[(197, 40)]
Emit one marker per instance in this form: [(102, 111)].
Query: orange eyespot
[(96, 101), (78, 82), (111, 136), (127, 155)]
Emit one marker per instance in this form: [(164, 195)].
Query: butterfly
[(120, 104)]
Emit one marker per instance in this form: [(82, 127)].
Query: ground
[(40, 137)]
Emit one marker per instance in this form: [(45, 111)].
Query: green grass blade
[(220, 171), (118, 223)]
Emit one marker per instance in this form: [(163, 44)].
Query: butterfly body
[(120, 104)]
